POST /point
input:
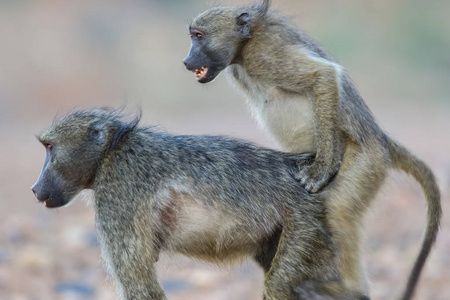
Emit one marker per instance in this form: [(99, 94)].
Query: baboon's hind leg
[(347, 199), (268, 249), (303, 267)]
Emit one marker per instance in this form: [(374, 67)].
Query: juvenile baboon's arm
[(325, 94), (293, 69)]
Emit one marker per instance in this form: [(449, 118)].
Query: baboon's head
[(217, 36), (74, 148)]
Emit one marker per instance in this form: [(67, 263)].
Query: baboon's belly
[(216, 235)]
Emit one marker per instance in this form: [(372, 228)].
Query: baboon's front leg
[(130, 252)]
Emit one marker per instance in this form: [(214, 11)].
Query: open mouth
[(201, 72), (45, 202)]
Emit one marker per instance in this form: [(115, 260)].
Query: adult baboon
[(208, 197)]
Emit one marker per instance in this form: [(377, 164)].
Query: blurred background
[(59, 55)]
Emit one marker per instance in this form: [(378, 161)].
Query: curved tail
[(403, 159)]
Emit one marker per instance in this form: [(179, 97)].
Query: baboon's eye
[(49, 146), (198, 35)]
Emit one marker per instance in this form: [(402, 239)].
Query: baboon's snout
[(187, 63), (39, 192)]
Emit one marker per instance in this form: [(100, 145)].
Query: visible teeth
[(200, 72)]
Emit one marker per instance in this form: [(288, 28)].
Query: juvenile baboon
[(207, 197), (306, 100)]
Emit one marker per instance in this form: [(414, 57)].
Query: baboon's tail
[(403, 159)]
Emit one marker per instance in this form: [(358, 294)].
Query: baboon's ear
[(97, 135), (243, 23)]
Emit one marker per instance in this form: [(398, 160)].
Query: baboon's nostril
[(34, 191)]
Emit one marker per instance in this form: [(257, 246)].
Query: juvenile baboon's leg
[(347, 199)]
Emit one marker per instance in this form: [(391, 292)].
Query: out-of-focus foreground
[(59, 55)]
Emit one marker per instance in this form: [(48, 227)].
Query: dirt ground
[(56, 56)]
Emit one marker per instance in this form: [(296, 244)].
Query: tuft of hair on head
[(125, 126), (115, 117), (261, 8)]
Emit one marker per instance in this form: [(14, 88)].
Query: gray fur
[(208, 197)]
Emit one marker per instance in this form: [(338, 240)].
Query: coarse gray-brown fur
[(306, 100), (208, 197)]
